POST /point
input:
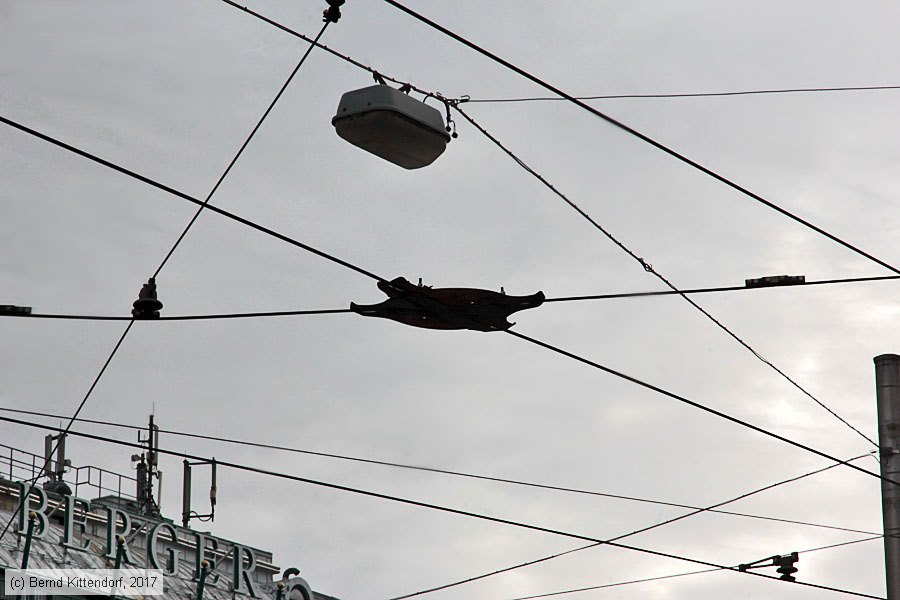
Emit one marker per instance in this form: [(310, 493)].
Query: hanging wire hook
[(447, 102)]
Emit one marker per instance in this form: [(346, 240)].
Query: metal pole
[(887, 389), (32, 517), (204, 571)]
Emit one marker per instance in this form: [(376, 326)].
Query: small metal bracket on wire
[(448, 103), (784, 562)]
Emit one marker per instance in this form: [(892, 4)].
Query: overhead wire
[(661, 577), (198, 211), (650, 269), (690, 94), (287, 313), (695, 511), (248, 315), (242, 148), (474, 476), (371, 275), (707, 290), (188, 197), (693, 403), (435, 507), (331, 51), (696, 165), (73, 417)]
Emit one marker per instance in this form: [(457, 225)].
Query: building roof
[(49, 553)]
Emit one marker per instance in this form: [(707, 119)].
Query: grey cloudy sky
[(171, 89)]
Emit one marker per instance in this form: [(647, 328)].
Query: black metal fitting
[(333, 12)]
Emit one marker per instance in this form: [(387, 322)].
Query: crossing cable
[(328, 20), (638, 134), (278, 313), (696, 511), (649, 268), (348, 265), (287, 313), (693, 94), (189, 198), (658, 578), (331, 51), (702, 407), (734, 288), (435, 507), (241, 149), (71, 420), (482, 477)]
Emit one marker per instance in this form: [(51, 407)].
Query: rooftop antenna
[(54, 471), (186, 513), (147, 469)]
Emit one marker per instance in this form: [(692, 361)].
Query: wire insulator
[(333, 13)]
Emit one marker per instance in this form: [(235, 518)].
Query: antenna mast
[(147, 470)]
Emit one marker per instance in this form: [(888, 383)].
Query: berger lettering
[(67, 540), (25, 508), (118, 522), (152, 555)]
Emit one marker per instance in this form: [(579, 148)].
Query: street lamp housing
[(390, 124)]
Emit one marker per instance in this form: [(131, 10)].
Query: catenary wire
[(644, 264), (733, 288), (694, 511), (862, 88), (658, 578), (331, 51), (430, 506), (286, 313), (184, 196), (278, 313), (639, 135), (645, 138), (689, 402), (241, 149), (214, 316), (308, 248), (372, 275), (477, 476), (649, 268)]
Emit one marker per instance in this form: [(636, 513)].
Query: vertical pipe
[(204, 571), (28, 536), (61, 457), (213, 490), (186, 495), (48, 456), (887, 389), (120, 551)]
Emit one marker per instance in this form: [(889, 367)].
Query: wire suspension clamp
[(784, 562), (333, 13)]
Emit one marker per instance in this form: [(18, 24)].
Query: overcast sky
[(171, 89)]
